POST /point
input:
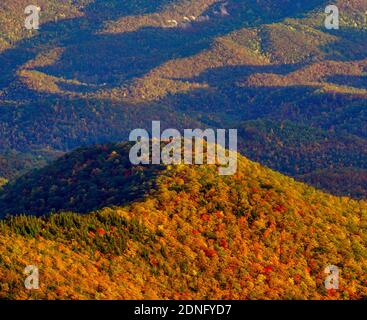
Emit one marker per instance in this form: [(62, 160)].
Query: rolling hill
[(193, 235), (98, 69), (85, 180)]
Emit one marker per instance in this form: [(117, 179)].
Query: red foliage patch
[(280, 208), (210, 253), (268, 269), (101, 232), (223, 243)]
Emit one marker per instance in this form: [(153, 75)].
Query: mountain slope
[(84, 180), (196, 235)]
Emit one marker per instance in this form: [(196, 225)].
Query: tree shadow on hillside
[(349, 80), (229, 100), (230, 75), (350, 46), (62, 123), (112, 59), (114, 9), (70, 31)]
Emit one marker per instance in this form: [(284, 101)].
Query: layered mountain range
[(98, 227), (97, 69)]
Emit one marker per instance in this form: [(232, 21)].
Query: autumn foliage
[(198, 235)]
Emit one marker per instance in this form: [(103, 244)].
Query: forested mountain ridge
[(195, 235), (82, 181), (97, 69)]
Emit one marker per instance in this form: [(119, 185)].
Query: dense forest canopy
[(195, 235), (98, 227)]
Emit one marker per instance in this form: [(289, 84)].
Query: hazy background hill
[(97, 69)]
